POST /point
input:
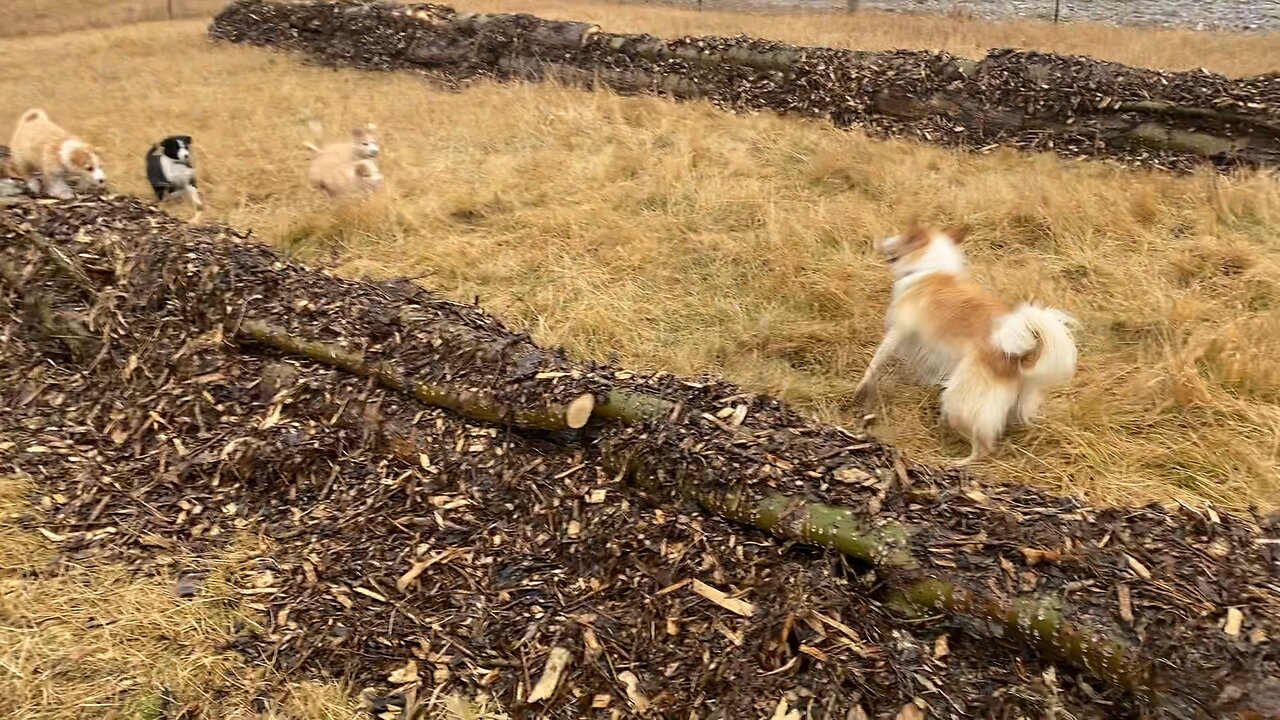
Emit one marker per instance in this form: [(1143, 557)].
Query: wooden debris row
[(490, 548), (1071, 105)]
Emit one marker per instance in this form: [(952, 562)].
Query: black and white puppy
[(170, 172)]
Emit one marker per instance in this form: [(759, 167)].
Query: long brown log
[(1039, 626), (619, 405)]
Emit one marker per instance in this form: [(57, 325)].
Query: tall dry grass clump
[(93, 640)]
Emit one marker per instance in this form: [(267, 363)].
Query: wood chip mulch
[(412, 549)]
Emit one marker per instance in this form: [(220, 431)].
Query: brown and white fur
[(40, 147), (994, 362), (345, 168)]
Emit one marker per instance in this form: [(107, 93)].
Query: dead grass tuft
[(98, 641), (83, 641)]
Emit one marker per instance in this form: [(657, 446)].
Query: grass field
[(694, 241), (42, 17)]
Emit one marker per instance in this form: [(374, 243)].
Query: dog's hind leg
[(977, 405), (194, 194), (865, 393), (1027, 407), (58, 188), (978, 449), (28, 173)]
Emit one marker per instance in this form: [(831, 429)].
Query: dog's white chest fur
[(175, 172)]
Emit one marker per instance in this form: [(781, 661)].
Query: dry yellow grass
[(39, 17), (694, 241), (98, 641)]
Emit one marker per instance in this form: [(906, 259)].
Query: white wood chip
[(733, 605), (1235, 619), (634, 694), (1138, 567), (557, 661)]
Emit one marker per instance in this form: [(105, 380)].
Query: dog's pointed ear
[(915, 226), (957, 233), (915, 232), (371, 127), (358, 133)]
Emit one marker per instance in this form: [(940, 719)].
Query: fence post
[(852, 5), (1057, 8)]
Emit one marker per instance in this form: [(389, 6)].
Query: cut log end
[(579, 411)]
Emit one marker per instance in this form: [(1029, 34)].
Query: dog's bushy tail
[(1043, 337)]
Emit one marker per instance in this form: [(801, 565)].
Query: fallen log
[(471, 404), (788, 516), (1074, 106), (889, 545), (756, 463), (352, 599), (884, 543)]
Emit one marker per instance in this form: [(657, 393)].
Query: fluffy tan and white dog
[(40, 147), (994, 362), (345, 168)]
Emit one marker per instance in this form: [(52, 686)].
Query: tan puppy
[(994, 362), (345, 168), (39, 146)]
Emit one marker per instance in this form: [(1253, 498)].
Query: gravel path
[(1260, 15)]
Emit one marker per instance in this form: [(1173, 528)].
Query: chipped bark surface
[(1071, 105), (404, 532)]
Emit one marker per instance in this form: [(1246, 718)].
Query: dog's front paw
[(864, 396)]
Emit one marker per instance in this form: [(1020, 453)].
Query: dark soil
[(170, 434)]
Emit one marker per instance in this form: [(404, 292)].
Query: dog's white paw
[(864, 397)]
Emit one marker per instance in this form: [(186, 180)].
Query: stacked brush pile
[(453, 508), (1071, 105)]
